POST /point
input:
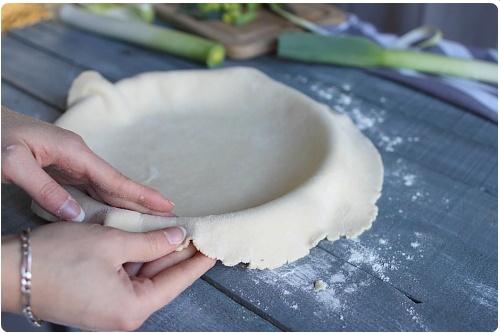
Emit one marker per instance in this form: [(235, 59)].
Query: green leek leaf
[(361, 52)]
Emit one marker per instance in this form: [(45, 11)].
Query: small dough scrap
[(259, 172), (320, 285)]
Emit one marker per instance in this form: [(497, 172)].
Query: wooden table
[(428, 263)]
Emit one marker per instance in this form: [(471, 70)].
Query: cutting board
[(257, 37)]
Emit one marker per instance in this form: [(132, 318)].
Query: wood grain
[(428, 263)]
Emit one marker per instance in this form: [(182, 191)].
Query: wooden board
[(428, 263), (254, 39)]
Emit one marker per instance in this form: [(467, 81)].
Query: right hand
[(79, 278)]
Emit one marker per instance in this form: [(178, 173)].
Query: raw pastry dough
[(259, 172)]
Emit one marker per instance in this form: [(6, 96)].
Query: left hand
[(39, 157)]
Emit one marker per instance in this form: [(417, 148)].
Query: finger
[(148, 246), (127, 204), (23, 170), (122, 192), (132, 268), (154, 267), (172, 281)]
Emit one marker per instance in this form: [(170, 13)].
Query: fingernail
[(171, 202), (175, 235), (170, 214), (71, 211), (164, 214)]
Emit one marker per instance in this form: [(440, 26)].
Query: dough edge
[(201, 230)]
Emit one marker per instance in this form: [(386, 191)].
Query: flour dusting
[(416, 318), (385, 254), (341, 97), (366, 117), (331, 287), (389, 144), (409, 179), (361, 254), (346, 87)]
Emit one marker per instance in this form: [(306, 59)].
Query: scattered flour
[(382, 241), (364, 121), (340, 95), (416, 196), (415, 244), (413, 139), (316, 277), (324, 92), (409, 180), (363, 255), (399, 172), (390, 143), (345, 100), (416, 318)]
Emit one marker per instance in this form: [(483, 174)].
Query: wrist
[(11, 277)]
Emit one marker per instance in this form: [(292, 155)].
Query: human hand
[(38, 157), (79, 279)]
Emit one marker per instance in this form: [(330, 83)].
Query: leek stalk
[(361, 52), (163, 39), (133, 11)]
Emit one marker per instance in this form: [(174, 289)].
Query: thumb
[(148, 246), (20, 167)]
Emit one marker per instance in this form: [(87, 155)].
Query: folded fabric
[(477, 97)]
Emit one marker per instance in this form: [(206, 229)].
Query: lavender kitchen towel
[(478, 97)]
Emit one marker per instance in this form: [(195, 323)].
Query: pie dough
[(259, 172)]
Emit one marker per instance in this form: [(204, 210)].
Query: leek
[(361, 52), (133, 11), (159, 38)]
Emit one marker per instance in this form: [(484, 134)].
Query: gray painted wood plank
[(436, 241), (197, 302), (203, 308), (426, 314), (457, 156), (353, 301), (16, 212), (390, 129), (393, 131), (22, 102), (79, 47), (374, 289), (382, 94), (26, 67)]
